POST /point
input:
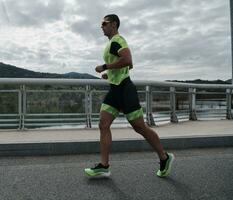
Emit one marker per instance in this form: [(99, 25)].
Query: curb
[(129, 145)]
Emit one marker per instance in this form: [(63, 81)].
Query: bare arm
[(125, 59)]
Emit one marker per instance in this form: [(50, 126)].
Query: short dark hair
[(113, 18)]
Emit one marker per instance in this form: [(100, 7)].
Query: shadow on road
[(111, 185)]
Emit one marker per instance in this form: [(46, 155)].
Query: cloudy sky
[(172, 39)]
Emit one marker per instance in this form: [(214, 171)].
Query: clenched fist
[(99, 68), (104, 76)]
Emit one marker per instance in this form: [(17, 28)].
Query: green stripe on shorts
[(134, 115), (109, 109)]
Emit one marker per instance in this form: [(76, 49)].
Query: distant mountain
[(78, 75), (10, 71), (199, 81)]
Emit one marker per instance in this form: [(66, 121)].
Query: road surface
[(197, 174)]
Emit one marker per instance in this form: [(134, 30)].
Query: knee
[(103, 125), (139, 129)]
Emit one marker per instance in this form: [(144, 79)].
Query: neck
[(112, 34)]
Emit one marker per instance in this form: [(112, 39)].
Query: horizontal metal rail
[(98, 82), (161, 101)]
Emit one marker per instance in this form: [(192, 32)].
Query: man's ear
[(115, 24)]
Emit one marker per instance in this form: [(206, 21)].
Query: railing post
[(90, 107), (149, 115), (192, 104), (229, 100), (87, 106), (20, 106), (24, 106), (173, 117)]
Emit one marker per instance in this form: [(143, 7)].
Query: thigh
[(112, 99), (108, 109), (106, 118), (138, 124), (130, 98)]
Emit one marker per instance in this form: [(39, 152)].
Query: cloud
[(169, 39), (33, 13), (195, 40), (4, 14)]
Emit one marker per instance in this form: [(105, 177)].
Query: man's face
[(106, 26)]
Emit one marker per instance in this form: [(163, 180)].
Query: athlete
[(122, 97)]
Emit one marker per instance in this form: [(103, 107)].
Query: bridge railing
[(34, 103)]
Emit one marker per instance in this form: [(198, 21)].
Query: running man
[(122, 96)]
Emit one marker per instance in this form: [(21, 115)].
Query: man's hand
[(104, 76), (99, 68)]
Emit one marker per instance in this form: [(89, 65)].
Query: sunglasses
[(104, 23)]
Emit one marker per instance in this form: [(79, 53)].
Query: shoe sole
[(99, 175)]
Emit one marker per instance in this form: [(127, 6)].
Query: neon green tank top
[(116, 44)]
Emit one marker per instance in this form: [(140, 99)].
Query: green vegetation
[(10, 71)]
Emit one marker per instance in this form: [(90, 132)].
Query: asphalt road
[(204, 174)]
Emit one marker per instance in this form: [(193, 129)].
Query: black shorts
[(123, 98)]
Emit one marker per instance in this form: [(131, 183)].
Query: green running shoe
[(98, 171), (165, 166)]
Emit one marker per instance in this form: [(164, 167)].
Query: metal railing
[(33, 103)]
